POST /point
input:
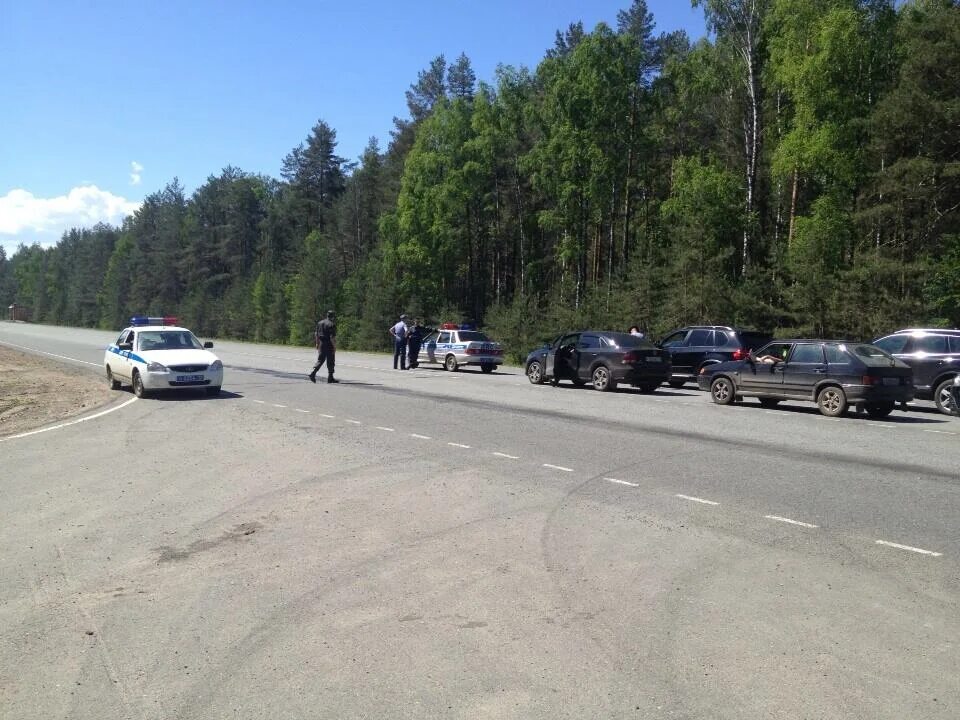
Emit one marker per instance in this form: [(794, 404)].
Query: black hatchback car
[(602, 358), (934, 357), (831, 373), (695, 346)]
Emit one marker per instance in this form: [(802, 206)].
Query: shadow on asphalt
[(898, 416), (193, 394)]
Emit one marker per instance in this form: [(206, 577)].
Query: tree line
[(796, 171)]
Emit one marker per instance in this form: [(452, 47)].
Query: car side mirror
[(208, 345), (125, 346)]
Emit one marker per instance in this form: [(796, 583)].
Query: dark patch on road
[(168, 553)]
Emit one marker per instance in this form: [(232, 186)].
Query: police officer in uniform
[(326, 342)]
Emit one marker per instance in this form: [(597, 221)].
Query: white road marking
[(260, 402), (882, 425), (558, 467), (911, 549), (62, 357), (459, 445), (301, 411), (380, 427), (354, 422), (68, 424), (279, 406), (508, 457), (940, 432), (788, 520), (421, 437), (696, 499), (622, 482), (327, 416)]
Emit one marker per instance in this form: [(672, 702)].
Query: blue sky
[(102, 103)]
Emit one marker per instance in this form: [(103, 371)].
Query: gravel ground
[(35, 391)]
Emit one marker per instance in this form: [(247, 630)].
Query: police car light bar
[(140, 320)]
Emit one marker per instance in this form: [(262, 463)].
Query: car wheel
[(649, 387), (114, 383), (138, 389), (879, 409), (535, 373), (487, 367), (677, 384), (722, 391), (769, 402), (213, 391), (450, 363), (602, 380), (944, 398), (832, 401)]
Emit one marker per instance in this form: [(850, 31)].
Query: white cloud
[(21, 212), (135, 171)]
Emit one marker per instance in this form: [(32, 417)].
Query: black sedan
[(602, 358), (831, 373)]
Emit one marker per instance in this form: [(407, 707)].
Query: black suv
[(696, 346), (934, 356)]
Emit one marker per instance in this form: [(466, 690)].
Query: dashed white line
[(508, 457), (420, 437), (277, 406), (558, 467), (260, 402), (940, 432), (385, 429), (326, 416), (791, 522), (67, 424), (301, 411), (459, 445), (908, 547), (622, 482), (882, 425), (354, 422), (697, 500)]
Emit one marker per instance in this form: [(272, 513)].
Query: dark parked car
[(934, 356), (696, 346), (831, 373), (956, 395), (600, 357)]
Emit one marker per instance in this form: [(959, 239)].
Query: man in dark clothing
[(326, 342), (414, 341)]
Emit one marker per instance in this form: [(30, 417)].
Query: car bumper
[(177, 381), (641, 375), (872, 393)]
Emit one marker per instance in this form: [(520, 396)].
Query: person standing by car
[(399, 334), (325, 338), (414, 340)]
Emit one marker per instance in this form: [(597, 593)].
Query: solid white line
[(421, 437), (326, 416), (788, 520), (622, 482), (68, 424), (380, 427), (459, 445), (354, 422), (62, 357), (696, 499), (299, 410), (911, 549), (557, 467), (279, 406), (508, 457)]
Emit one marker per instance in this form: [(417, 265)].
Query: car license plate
[(653, 358), (189, 378), (891, 381)]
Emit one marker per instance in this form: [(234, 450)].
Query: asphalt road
[(426, 544)]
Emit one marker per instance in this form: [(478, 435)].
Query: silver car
[(452, 347)]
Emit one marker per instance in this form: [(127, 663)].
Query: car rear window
[(753, 340), (873, 356), (624, 340), (473, 336)]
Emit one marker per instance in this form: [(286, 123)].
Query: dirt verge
[(35, 391)]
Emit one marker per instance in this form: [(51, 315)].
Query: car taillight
[(739, 354), (630, 357), (473, 351), (869, 380)]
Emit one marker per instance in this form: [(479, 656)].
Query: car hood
[(179, 357)]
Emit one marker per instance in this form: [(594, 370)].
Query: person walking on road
[(326, 342), (399, 333)]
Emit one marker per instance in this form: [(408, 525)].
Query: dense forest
[(797, 171)]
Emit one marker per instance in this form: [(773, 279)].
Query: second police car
[(154, 353), (453, 346)]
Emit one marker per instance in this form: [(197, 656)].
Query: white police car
[(156, 354), (453, 346)]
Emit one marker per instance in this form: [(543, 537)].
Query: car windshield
[(472, 336), (873, 356), (169, 340)]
